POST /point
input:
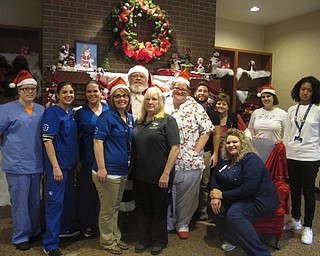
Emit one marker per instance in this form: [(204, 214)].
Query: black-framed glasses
[(177, 89), (28, 89), (119, 96)]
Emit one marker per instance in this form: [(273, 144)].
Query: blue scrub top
[(21, 143), (57, 122), (117, 138), (86, 120)]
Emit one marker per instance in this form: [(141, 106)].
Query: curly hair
[(245, 145), (315, 83), (222, 97)]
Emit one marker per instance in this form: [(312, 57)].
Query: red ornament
[(124, 8), (115, 43)]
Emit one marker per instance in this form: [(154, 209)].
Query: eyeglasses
[(28, 89), (119, 96), (177, 89), (138, 76)]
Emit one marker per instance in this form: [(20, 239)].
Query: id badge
[(298, 138)]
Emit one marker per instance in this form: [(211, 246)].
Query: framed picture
[(86, 55)]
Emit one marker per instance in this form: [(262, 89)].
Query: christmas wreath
[(124, 18)]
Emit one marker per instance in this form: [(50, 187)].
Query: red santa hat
[(266, 88), (140, 69), (160, 88), (24, 77), (116, 84), (184, 77)]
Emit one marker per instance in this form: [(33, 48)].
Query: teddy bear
[(215, 63)]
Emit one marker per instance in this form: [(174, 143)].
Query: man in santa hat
[(21, 147), (195, 127), (138, 83)]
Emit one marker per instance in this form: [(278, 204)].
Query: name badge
[(298, 138)]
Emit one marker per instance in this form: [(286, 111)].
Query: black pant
[(302, 175), (152, 205)]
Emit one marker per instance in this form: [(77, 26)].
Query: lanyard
[(299, 127)]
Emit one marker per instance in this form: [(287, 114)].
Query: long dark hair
[(315, 83)]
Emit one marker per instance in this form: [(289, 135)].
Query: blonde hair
[(245, 145), (160, 110), (121, 90)]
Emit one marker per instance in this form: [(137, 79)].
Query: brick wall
[(67, 20)]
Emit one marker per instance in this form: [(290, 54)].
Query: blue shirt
[(86, 120), (57, 122), (117, 138), (21, 144)]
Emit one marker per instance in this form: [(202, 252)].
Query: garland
[(123, 19)]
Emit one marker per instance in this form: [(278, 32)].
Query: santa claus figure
[(86, 58), (138, 83)]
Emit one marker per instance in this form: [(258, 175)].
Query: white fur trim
[(114, 88), (140, 69), (266, 90), (181, 79), (27, 81)]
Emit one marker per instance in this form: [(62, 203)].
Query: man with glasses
[(21, 146), (138, 83), (195, 127)]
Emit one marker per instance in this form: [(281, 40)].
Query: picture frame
[(86, 54)]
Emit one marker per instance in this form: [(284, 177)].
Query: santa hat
[(184, 77), (24, 77), (116, 84), (140, 69), (160, 88), (266, 88)]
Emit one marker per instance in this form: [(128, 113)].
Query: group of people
[(171, 148)]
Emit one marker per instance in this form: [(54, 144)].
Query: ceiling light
[(254, 9)]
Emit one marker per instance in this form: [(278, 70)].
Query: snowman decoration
[(215, 63)]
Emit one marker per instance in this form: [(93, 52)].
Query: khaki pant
[(203, 191), (110, 195)]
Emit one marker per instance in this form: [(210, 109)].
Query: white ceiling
[(272, 11)]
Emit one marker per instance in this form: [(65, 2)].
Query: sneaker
[(89, 232), (227, 247), (183, 232), (69, 234), (292, 225), (114, 249), (55, 252), (307, 235), (122, 245)]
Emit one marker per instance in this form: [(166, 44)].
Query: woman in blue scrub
[(86, 118), (21, 146), (242, 193), (59, 135), (112, 150)]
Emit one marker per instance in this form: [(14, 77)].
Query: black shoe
[(55, 252), (156, 250), (24, 246), (89, 232), (140, 248), (73, 233)]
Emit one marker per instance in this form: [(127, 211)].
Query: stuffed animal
[(175, 61), (71, 62), (63, 55), (199, 66), (215, 63)]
